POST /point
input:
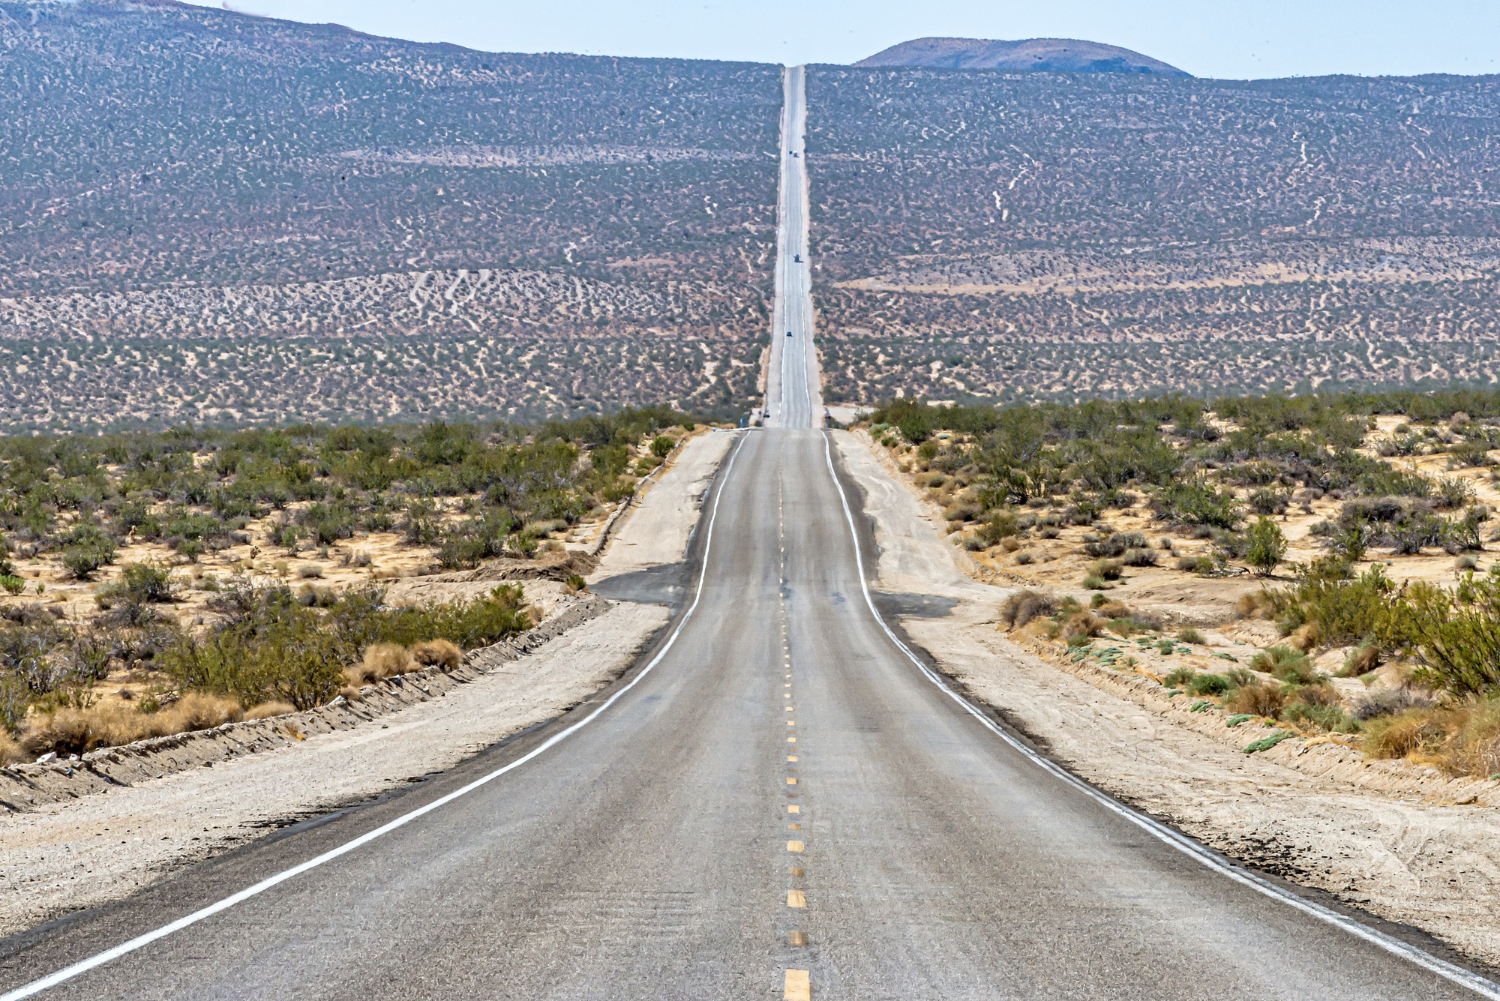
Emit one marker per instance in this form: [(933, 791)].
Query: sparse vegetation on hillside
[(993, 237), (233, 220)]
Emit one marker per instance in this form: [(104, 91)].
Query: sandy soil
[(656, 529), (70, 856), (1432, 865)]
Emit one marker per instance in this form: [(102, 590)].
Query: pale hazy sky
[(1232, 38)]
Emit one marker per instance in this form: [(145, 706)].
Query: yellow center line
[(796, 898), (791, 781), (791, 757), (794, 808), (791, 740), (798, 986), (794, 846), (794, 827), (798, 938)]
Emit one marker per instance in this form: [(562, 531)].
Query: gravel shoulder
[(67, 856), (1368, 834)]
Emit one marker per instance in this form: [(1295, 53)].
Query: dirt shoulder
[(1386, 836), (64, 856)]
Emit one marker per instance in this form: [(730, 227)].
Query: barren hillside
[(298, 201)]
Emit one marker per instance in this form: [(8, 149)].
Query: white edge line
[(1427, 961), (141, 941)]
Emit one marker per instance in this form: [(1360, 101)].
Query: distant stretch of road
[(792, 385)]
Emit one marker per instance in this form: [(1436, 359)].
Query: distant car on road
[(789, 333), (797, 258)]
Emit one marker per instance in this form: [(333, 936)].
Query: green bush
[(1266, 546), (1210, 684), (1285, 664), (12, 585), (83, 559), (661, 446)]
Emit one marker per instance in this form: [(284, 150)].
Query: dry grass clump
[(1285, 664), (437, 652), (381, 660), (1081, 625), (78, 731), (1024, 606), (268, 709), (11, 752), (1462, 739), (1258, 605), (1256, 699)]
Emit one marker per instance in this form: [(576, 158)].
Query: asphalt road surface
[(792, 383), (783, 799)]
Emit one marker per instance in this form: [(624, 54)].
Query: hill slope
[(1056, 55), (985, 236), (213, 217)]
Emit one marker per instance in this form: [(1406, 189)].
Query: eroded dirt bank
[(1407, 856)]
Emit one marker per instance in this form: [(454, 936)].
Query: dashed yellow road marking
[(786, 695), (790, 709), (798, 938), (794, 827), (794, 808), (791, 722), (797, 872), (791, 757), (798, 986), (794, 846), (796, 898), (791, 781), (790, 740)]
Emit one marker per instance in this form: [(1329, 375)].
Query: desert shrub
[(1361, 660), (1191, 635), (1001, 525), (1179, 677), (661, 446), (1266, 546), (1330, 718), (1210, 684), (1255, 699), (1390, 702), (144, 582), (1116, 545), (1106, 569), (266, 710), (1139, 558), (380, 660), (1023, 606), (12, 585), (1081, 625), (1197, 564), (1196, 502), (1343, 611), (309, 571), (1094, 582), (83, 559), (438, 652), (80, 730), (1285, 664)]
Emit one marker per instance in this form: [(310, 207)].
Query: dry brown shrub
[(78, 731), (1081, 624), (1024, 606), (381, 660), (1254, 606), (1113, 610), (1257, 700), (1461, 740), (1305, 638), (199, 711), (1361, 660), (11, 752), (268, 709), (435, 652)]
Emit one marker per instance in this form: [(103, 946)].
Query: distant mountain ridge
[(1056, 55)]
